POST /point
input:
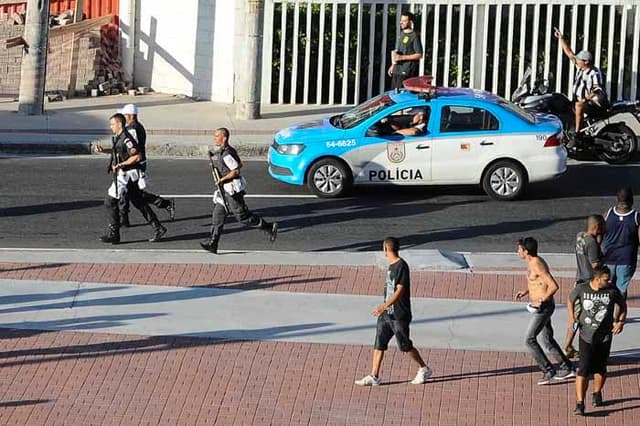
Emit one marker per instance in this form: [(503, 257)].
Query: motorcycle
[(610, 132)]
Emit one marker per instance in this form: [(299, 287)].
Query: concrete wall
[(183, 47)]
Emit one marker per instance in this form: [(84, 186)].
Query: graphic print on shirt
[(389, 289), (594, 309)]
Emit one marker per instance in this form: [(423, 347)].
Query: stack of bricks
[(78, 53), (77, 62), (10, 59)]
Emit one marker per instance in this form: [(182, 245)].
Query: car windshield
[(363, 111), (526, 116)]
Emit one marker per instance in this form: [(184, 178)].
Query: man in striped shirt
[(588, 86)]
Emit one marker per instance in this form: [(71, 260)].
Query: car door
[(466, 136), (393, 158)]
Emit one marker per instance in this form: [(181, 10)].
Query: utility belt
[(235, 186)]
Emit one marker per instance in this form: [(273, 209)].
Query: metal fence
[(338, 51)]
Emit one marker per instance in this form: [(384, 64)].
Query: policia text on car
[(125, 163)]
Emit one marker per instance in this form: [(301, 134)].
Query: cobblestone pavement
[(70, 377)]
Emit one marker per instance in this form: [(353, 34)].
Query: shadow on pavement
[(5, 404), (49, 208), (122, 347), (451, 234)]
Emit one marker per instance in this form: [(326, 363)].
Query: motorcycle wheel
[(623, 145)]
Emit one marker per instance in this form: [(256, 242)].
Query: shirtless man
[(541, 286)]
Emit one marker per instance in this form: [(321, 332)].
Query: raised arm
[(565, 45)]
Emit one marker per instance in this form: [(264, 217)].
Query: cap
[(585, 56), (129, 109)]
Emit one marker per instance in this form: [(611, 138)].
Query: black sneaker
[(547, 377), (158, 233), (579, 411), (596, 399), (171, 208), (564, 373)]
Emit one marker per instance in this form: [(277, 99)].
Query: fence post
[(478, 48), (248, 107)]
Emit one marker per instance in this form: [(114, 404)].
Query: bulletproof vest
[(140, 134), (122, 150), (219, 162)]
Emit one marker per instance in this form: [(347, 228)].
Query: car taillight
[(553, 140)]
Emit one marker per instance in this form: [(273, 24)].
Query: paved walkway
[(176, 125), (109, 343)]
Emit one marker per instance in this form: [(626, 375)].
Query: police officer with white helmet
[(137, 130)]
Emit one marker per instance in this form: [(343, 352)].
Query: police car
[(468, 137)]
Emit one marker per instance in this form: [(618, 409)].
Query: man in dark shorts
[(394, 316), (588, 257), (598, 299)]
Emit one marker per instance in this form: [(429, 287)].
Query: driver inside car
[(416, 127)]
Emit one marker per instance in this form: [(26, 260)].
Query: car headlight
[(290, 149)]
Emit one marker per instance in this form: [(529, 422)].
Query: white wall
[(182, 47)]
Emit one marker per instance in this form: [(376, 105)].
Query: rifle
[(216, 180), (115, 173)]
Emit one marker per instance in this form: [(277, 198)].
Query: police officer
[(136, 129), (125, 163), (229, 197)]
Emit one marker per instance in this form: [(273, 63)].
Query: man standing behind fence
[(405, 59)]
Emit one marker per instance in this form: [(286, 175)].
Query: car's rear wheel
[(504, 180), (329, 178)]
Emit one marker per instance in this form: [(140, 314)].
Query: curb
[(245, 149)]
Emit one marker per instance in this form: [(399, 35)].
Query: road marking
[(246, 196)]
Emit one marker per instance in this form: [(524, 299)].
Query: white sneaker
[(421, 377), (368, 381)]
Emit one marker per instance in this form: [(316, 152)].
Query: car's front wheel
[(504, 180), (329, 178)]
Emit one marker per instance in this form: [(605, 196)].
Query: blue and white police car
[(465, 137)]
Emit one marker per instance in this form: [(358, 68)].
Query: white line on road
[(246, 196)]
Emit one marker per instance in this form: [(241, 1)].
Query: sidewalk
[(278, 339), (175, 125)]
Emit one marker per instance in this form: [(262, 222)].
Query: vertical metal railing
[(338, 51)]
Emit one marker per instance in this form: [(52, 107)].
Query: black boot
[(158, 232), (112, 236), (124, 220), (210, 245), (270, 228), (171, 209)]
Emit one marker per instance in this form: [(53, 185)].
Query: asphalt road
[(58, 202)]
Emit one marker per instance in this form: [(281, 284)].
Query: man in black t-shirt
[(588, 257), (598, 299), (394, 316), (405, 59)]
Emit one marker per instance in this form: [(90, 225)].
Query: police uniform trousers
[(148, 198), (238, 208), (135, 195)]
